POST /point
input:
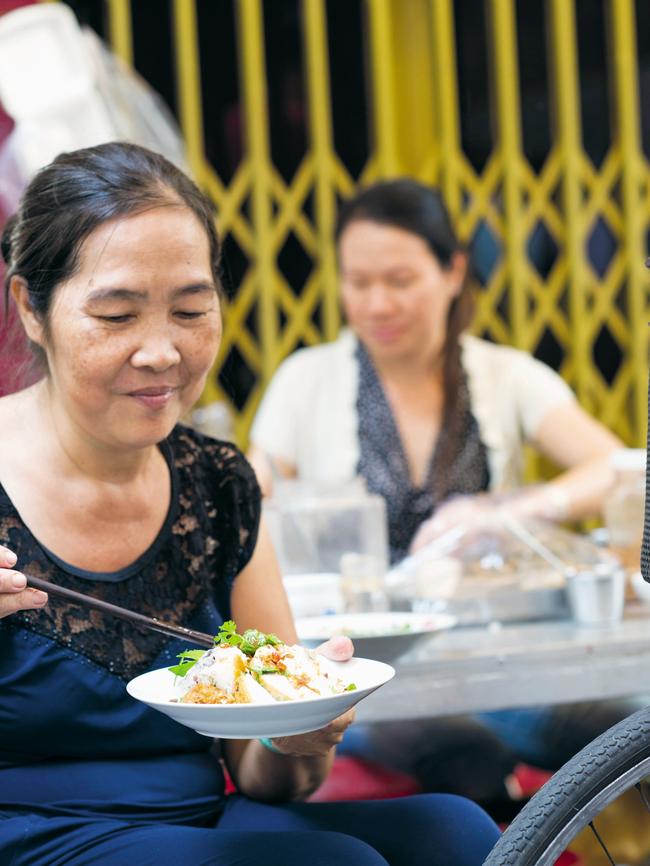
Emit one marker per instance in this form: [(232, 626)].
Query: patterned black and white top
[(384, 466)]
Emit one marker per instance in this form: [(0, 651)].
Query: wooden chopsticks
[(188, 634)]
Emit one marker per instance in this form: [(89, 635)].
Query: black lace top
[(208, 537), (384, 466)]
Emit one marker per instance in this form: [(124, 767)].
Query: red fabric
[(529, 780), (355, 779), (8, 5), (16, 367), (569, 859), (230, 785)]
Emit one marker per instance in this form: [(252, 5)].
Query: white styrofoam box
[(48, 85), (44, 61), (38, 141)]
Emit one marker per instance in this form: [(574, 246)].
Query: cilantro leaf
[(188, 659), (351, 687)]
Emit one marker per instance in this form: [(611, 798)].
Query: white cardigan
[(308, 414)]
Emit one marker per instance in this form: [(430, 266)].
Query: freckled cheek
[(86, 365), (201, 350)]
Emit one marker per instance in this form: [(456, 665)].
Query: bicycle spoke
[(601, 843), (642, 788)]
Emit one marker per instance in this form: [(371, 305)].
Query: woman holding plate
[(113, 264)]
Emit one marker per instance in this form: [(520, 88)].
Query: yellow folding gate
[(410, 49)]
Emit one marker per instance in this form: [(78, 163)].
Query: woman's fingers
[(341, 724), (338, 648), (15, 595), (25, 600), (316, 743), (7, 557), (427, 532)]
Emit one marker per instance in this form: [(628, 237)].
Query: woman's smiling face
[(132, 335), (395, 293)]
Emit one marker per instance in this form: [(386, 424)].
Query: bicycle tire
[(611, 764)]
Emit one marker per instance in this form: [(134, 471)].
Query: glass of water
[(362, 583)]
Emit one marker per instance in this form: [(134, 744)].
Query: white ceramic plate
[(160, 689), (380, 636)]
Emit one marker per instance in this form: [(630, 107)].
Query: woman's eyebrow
[(117, 294), (195, 289)]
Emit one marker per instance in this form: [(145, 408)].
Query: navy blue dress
[(88, 775)]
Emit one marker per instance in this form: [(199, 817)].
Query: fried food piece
[(202, 693)]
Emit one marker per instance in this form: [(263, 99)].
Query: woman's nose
[(157, 350), (379, 301)]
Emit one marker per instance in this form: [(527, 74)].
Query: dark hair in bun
[(6, 241)]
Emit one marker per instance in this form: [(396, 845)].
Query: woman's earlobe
[(31, 322), (460, 263)]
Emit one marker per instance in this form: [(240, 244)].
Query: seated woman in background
[(113, 263), (433, 419), (405, 398)]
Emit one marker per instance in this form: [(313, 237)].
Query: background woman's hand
[(472, 512), (14, 594), (319, 743)]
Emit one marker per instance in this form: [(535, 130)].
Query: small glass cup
[(596, 595), (362, 583)]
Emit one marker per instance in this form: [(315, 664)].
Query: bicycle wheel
[(617, 761)]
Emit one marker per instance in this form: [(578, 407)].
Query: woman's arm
[(259, 601), (582, 446), (574, 441)]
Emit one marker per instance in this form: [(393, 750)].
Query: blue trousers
[(427, 830)]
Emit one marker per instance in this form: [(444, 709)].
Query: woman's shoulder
[(483, 358), (308, 378), (480, 350), (506, 376)]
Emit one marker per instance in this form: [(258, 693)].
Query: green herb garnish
[(351, 688), (248, 642), (188, 659)]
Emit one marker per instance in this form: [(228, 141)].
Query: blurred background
[(533, 116)]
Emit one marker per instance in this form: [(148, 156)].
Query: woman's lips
[(153, 398), (385, 335)]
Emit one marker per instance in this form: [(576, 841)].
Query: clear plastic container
[(340, 530), (625, 506), (362, 583)]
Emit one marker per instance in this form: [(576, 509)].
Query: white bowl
[(161, 690), (380, 636)]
